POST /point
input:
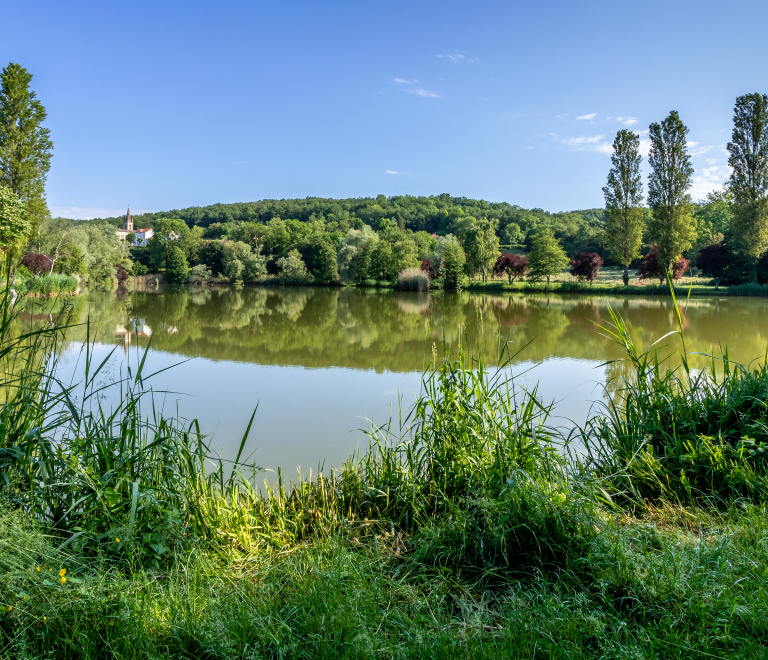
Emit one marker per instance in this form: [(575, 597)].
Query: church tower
[(128, 226)]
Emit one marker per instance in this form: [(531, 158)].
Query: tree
[(651, 267), (672, 227), (586, 267), (623, 197), (714, 261), (14, 226), (511, 265), (547, 257), (749, 177), (293, 270), (250, 264), (512, 235), (25, 146), (448, 261), (177, 270), (714, 218), (167, 233), (481, 245)]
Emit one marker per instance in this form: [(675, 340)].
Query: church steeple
[(128, 226)]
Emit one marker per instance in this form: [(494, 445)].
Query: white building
[(142, 235)]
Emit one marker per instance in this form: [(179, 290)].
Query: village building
[(142, 235)]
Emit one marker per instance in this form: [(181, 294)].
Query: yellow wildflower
[(24, 597), (62, 572), (63, 580), (117, 540), (10, 608), (38, 569), (45, 619)]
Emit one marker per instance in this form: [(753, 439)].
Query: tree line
[(362, 239)]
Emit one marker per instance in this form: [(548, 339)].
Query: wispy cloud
[(591, 115), (645, 146), (709, 179), (90, 212), (423, 92), (697, 150), (587, 143), (455, 57), (627, 121), (392, 172), (583, 140), (401, 81)]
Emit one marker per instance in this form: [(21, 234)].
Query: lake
[(321, 362)]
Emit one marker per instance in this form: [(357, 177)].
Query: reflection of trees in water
[(387, 330)]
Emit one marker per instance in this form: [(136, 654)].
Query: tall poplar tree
[(25, 146), (623, 197), (749, 178), (672, 227)]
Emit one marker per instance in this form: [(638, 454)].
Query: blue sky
[(172, 104)]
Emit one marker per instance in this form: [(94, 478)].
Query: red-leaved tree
[(37, 263), (122, 275), (586, 267), (511, 265), (650, 267), (713, 261)]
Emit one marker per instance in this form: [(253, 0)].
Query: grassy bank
[(467, 530)]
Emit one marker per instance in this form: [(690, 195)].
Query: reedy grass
[(682, 435)]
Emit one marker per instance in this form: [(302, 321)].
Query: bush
[(586, 267), (413, 279), (121, 274), (138, 269)]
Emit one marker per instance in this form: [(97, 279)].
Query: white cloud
[(401, 81), (90, 212), (709, 179), (424, 93), (589, 116), (628, 121), (645, 147), (583, 140), (710, 161), (455, 57), (529, 147), (392, 172)]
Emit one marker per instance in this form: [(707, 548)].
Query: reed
[(679, 434)]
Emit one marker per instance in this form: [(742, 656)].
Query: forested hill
[(436, 214), (440, 214)]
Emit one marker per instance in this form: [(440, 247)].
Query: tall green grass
[(680, 434), (54, 283)]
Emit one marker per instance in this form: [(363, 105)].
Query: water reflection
[(318, 360), (382, 330)]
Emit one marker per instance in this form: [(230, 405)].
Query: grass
[(54, 283), (466, 530)]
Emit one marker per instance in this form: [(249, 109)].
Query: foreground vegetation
[(470, 528)]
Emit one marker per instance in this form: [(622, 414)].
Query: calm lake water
[(320, 362)]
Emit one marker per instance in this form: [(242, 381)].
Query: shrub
[(715, 261), (511, 265), (413, 279), (586, 267), (138, 269), (651, 268)]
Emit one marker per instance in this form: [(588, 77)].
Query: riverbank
[(468, 530)]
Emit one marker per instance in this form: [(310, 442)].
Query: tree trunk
[(626, 276)]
